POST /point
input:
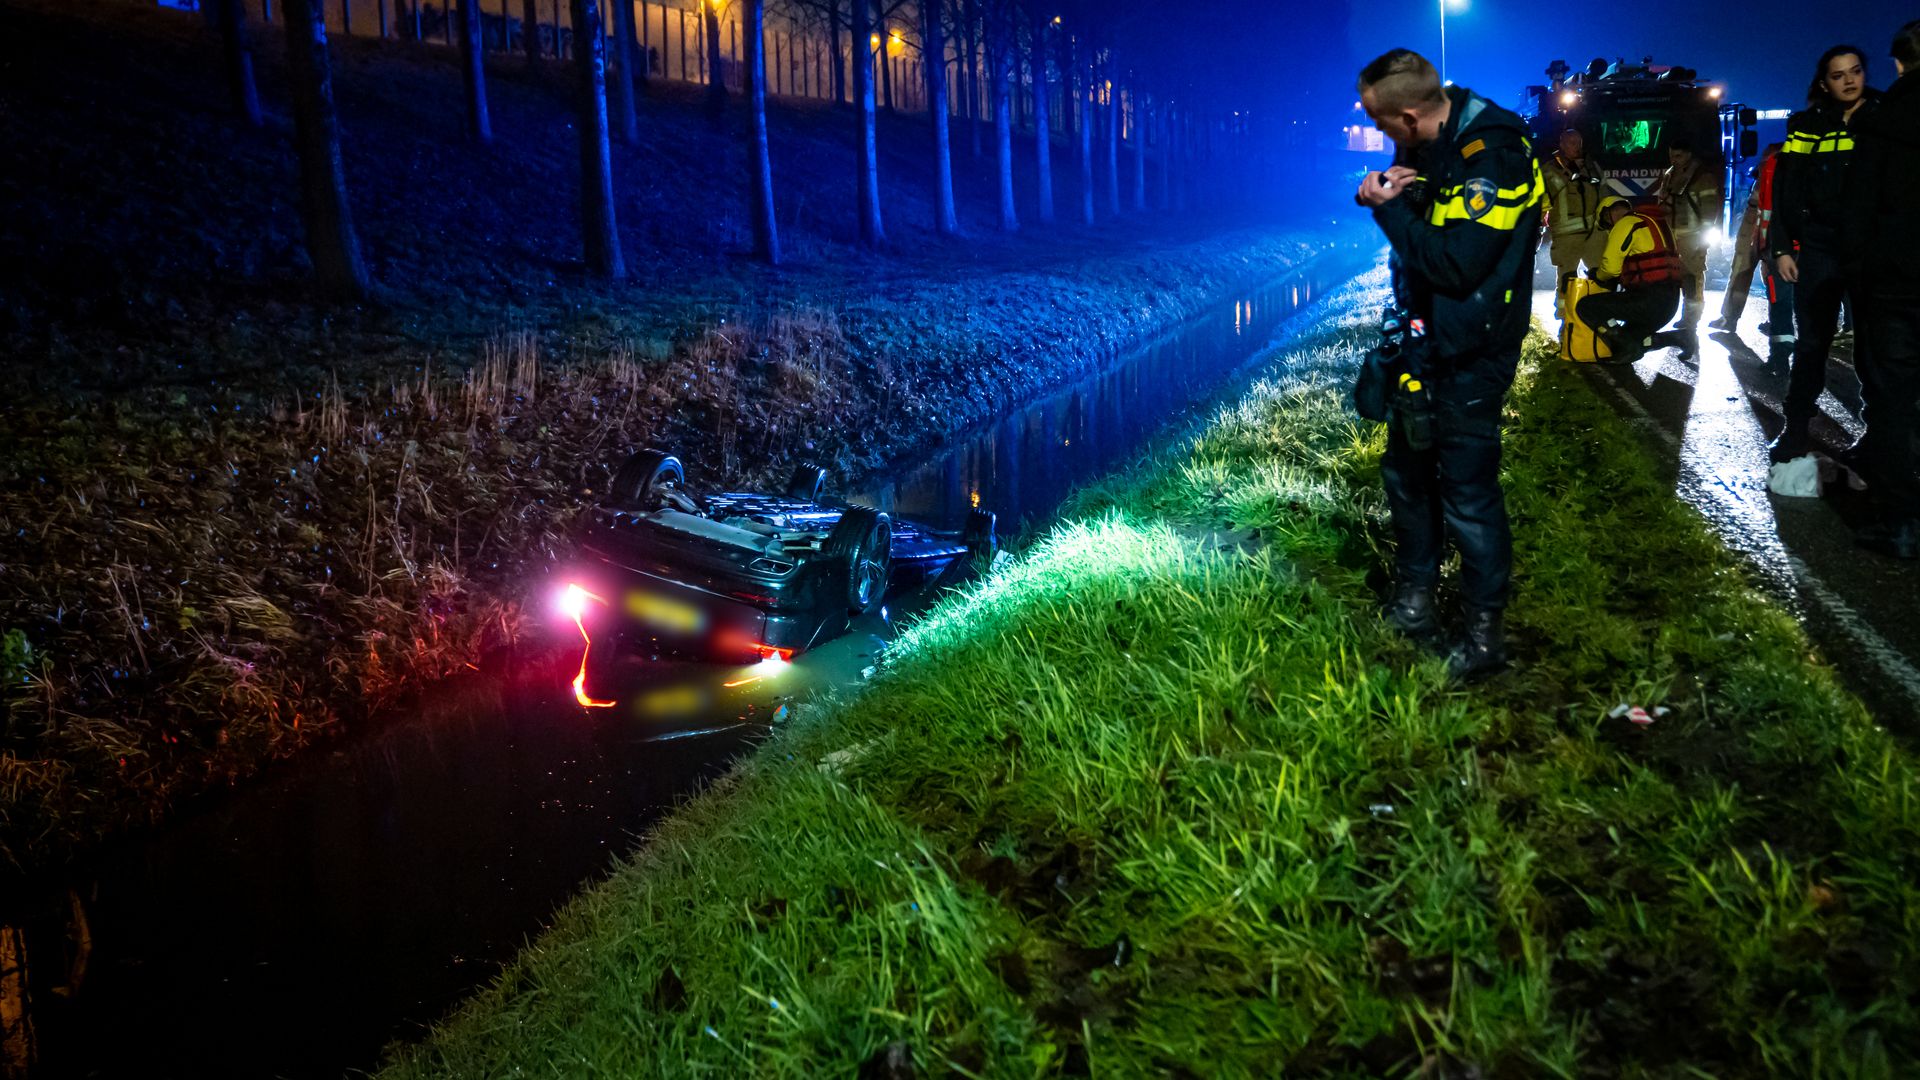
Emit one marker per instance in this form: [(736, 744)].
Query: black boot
[(1482, 651), (1411, 611), (1792, 442)]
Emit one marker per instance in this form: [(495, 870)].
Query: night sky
[(1765, 58)]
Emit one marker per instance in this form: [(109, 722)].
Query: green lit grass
[(1165, 800)]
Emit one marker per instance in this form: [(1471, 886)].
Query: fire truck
[(1629, 115)]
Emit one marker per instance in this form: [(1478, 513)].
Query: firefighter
[(1749, 254), (1645, 271), (1575, 185), (1689, 192), (1805, 240), (1463, 266), (1882, 235)]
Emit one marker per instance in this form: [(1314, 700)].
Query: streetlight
[(1444, 4)]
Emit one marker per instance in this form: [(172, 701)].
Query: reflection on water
[(296, 928), (1024, 465)]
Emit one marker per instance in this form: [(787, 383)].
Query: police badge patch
[(1479, 194)]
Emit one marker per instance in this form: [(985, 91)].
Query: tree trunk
[(530, 31), (316, 133), (766, 233), (626, 121), (1112, 86), (886, 68), (1089, 103), (716, 78), (596, 155), (872, 232), (839, 58), (969, 19), (1166, 157), (1140, 114), (1042, 136), (473, 69), (1000, 56), (380, 6), (346, 16), (934, 48), (237, 50)]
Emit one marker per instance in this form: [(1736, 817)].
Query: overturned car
[(663, 568)]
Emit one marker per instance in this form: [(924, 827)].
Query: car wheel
[(862, 543), (645, 478), (806, 483)]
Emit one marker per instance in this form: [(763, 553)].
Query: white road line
[(1890, 660)]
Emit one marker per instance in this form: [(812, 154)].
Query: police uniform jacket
[(1809, 184), (1451, 257)]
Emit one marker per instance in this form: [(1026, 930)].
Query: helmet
[(1612, 201)]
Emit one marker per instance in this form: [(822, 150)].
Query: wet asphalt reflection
[(1708, 420)]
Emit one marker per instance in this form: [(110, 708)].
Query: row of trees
[(1100, 55)]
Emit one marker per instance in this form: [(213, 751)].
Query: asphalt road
[(1709, 419)]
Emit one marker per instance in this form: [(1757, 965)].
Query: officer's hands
[(1789, 269), (1381, 188)]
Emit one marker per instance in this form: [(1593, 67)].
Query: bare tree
[(316, 133), (968, 11), (1042, 103), (872, 232), (933, 51), (766, 233), (473, 71), (1141, 125), (716, 78), (530, 31), (236, 48), (626, 119), (596, 155), (1089, 104), (999, 57), (1112, 125)]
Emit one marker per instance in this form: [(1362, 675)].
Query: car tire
[(861, 544), (642, 478), (807, 482)]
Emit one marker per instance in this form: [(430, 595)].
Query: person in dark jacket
[(1808, 220), (1463, 265), (1883, 253)]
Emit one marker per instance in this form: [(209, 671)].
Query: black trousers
[(1453, 487), (1890, 393), (1644, 311), (1817, 297)]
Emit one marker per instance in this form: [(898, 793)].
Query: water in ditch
[(297, 927)]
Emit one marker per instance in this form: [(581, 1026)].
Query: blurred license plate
[(665, 613)]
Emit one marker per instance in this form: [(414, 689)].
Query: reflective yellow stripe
[(1827, 142), (1799, 143), (1839, 142), (1509, 204)]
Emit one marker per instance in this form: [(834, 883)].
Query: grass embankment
[(233, 515), (1165, 798)]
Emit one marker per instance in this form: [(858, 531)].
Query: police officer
[(1575, 186), (1810, 207), (1883, 235), (1462, 264), (1690, 197), (1643, 268)]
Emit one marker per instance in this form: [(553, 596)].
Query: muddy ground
[(233, 518)]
